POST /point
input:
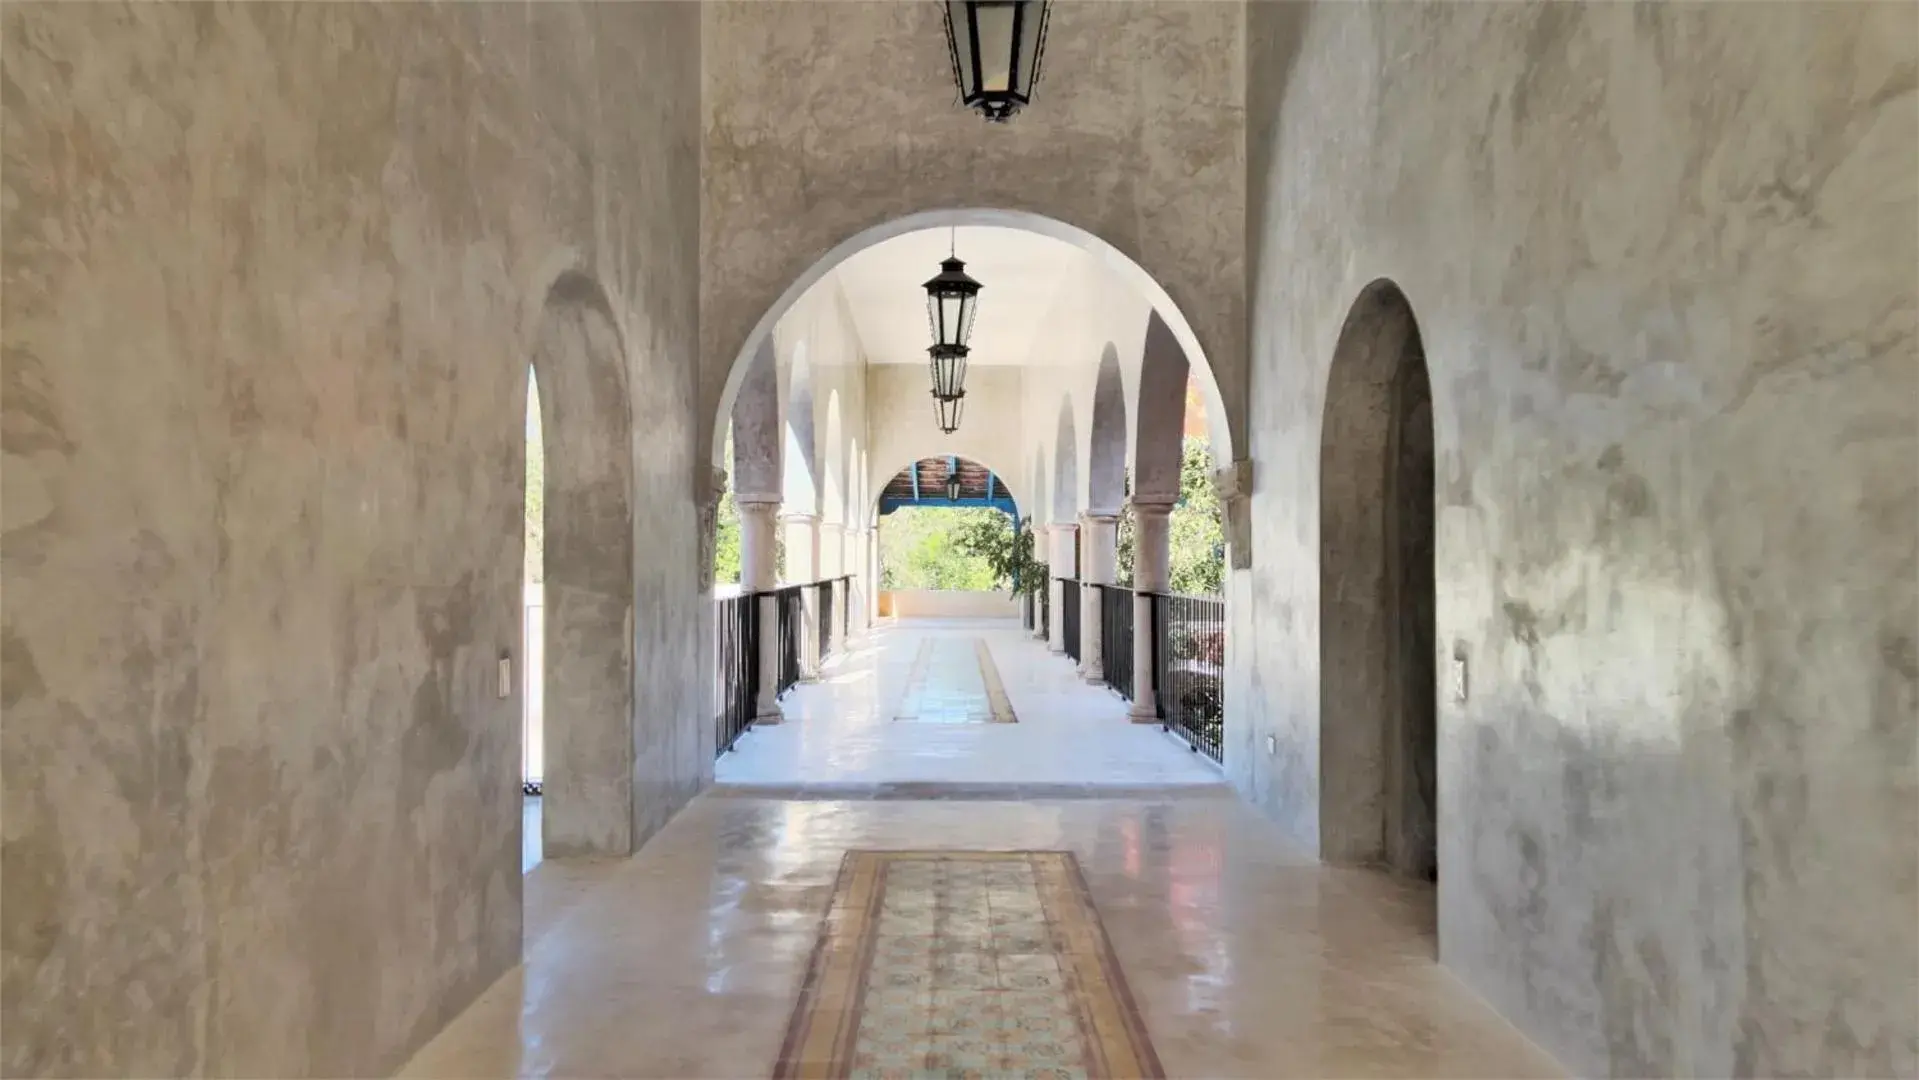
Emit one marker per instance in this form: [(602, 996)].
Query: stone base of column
[(1095, 677), (1149, 715), (769, 717)]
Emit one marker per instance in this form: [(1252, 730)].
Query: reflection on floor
[(1245, 958), (966, 963), (530, 839), (961, 686), (842, 729)]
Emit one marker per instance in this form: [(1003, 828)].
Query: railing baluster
[(1189, 657)]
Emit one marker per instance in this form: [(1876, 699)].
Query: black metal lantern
[(996, 47), (951, 296), (947, 412), (948, 366), (952, 485)]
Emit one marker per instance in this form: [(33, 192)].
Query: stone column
[(803, 568), (758, 577), (1099, 538), (1065, 537), (1151, 569), (1045, 556)]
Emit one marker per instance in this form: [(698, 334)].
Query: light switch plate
[(506, 676), (1459, 675), (1272, 746)]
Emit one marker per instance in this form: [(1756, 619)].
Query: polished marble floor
[(1244, 958), (907, 701)]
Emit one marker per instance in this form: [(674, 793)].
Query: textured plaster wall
[(904, 430), (1664, 262), (826, 119), (273, 274)]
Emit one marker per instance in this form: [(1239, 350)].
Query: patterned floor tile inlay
[(954, 681), (963, 964)]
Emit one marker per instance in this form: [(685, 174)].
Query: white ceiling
[(1019, 273)]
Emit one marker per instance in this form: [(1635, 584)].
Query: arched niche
[(1378, 686), (579, 364)]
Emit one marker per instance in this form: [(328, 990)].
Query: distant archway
[(1106, 454), (578, 363), (1112, 258), (1378, 687), (1065, 469)]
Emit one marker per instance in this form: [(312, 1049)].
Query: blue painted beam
[(890, 503), (915, 470)]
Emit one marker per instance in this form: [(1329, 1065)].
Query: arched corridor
[(1428, 587)]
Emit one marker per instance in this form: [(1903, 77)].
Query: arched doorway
[(949, 540), (587, 576), (1378, 692)]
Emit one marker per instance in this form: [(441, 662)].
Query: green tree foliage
[(920, 548), (1008, 551), (726, 541), (1196, 539)]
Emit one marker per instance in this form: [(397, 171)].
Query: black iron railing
[(1189, 658), (827, 623), (1069, 616), (1045, 597), (738, 648), (1028, 612), (846, 606), (1116, 638), (791, 605)]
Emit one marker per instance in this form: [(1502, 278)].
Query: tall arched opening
[(1378, 693), (587, 574)]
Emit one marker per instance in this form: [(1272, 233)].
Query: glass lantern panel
[(995, 22), (959, 13), (1030, 22)]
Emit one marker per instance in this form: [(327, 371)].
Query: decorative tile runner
[(963, 964), (954, 681)]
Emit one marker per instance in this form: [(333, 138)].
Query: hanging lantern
[(951, 296), (996, 47), (948, 368), (947, 412), (952, 485)]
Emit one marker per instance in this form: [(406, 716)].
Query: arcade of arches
[(1558, 366)]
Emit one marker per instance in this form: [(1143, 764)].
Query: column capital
[(1099, 517), (798, 517), (757, 502), (1153, 504), (1063, 526)]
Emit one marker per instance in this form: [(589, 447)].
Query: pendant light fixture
[(952, 482), (996, 47), (951, 297)]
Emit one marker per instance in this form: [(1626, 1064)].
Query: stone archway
[(586, 426), (1378, 687)]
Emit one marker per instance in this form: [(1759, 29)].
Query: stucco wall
[(948, 604), (825, 119), (1663, 263), (273, 276)]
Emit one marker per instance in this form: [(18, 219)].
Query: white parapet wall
[(943, 604)]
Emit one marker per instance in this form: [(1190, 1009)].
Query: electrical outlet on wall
[(1272, 746)]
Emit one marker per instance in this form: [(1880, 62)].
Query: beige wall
[(1664, 261), (947, 604), (273, 277)]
